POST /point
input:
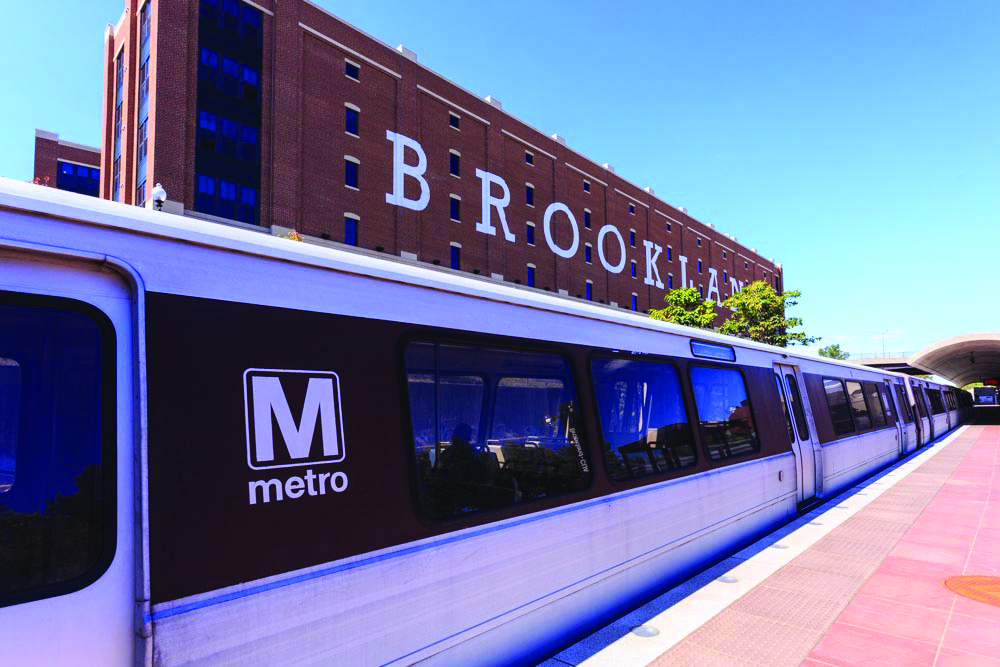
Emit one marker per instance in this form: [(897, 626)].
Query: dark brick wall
[(303, 145)]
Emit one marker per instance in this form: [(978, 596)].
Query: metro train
[(220, 447)]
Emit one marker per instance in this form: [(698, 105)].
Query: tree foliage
[(833, 352), (685, 306), (759, 314)]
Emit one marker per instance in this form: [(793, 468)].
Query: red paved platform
[(906, 614)]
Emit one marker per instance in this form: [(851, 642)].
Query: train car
[(985, 395), (222, 447)]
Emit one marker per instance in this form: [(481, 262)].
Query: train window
[(784, 408), (904, 404), (643, 421), (491, 427), (919, 401), (887, 401), (727, 426), (796, 401), (57, 535), (875, 405), (951, 400), (937, 407), (836, 400), (859, 410), (713, 351)]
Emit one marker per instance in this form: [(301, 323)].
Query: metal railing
[(888, 354)]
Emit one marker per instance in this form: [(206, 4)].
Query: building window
[(586, 218), (631, 237), (454, 121), (456, 208), (251, 25), (454, 163), (531, 275), (206, 130), (699, 242), (352, 120), (531, 233), (633, 268), (208, 69), (670, 254), (140, 193), (210, 11), (141, 140), (247, 211), (249, 84), (229, 133), (668, 227), (701, 291), (116, 176), (586, 186), (351, 167), (529, 195), (725, 277), (529, 158), (350, 230), (746, 265), (230, 75), (586, 253), (631, 209), (352, 70), (699, 266), (723, 254), (590, 291), (231, 15), (635, 301), (456, 257), (144, 81), (670, 282), (227, 200), (204, 200), (248, 143)]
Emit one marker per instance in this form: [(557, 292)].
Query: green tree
[(759, 314), (833, 352), (685, 306)]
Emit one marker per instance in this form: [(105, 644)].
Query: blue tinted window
[(248, 196), (529, 195), (727, 425), (699, 266), (643, 420), (248, 135), (250, 75), (251, 24), (454, 164), (351, 121), (228, 128), (209, 58), (227, 199), (140, 194), (531, 276), (83, 171), (207, 121), (586, 254), (479, 449), (247, 210), (350, 173), (206, 185), (53, 491), (352, 70), (66, 168), (713, 351), (670, 282), (586, 186), (590, 292), (631, 238), (456, 209), (454, 121), (586, 219), (227, 190), (633, 269), (670, 253), (456, 257), (350, 231), (531, 234), (95, 174)]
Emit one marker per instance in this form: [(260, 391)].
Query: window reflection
[(727, 425)]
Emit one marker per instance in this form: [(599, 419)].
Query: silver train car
[(218, 447)]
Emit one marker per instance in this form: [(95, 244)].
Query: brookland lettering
[(495, 195)]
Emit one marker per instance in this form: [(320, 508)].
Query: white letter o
[(605, 230), (553, 208)]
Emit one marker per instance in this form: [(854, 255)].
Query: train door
[(897, 415), (924, 406), (67, 554), (799, 432)]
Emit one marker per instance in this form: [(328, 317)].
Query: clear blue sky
[(857, 143)]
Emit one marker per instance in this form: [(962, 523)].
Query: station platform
[(903, 569)]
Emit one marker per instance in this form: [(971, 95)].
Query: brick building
[(371, 149), (65, 165)]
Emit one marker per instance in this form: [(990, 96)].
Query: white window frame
[(634, 270), (588, 246), (526, 154), (452, 114), (586, 213), (631, 208), (632, 236), (356, 64), (351, 158), (459, 200), (529, 185), (586, 186), (452, 151), (357, 109)]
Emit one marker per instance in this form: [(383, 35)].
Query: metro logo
[(275, 397)]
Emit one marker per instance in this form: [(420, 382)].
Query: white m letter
[(268, 398), (400, 170)]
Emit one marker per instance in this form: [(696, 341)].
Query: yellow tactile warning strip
[(778, 622), (984, 589)]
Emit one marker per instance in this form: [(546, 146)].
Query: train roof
[(40, 200)]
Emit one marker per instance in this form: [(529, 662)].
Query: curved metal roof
[(962, 359)]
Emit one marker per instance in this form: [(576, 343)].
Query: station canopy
[(963, 359)]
